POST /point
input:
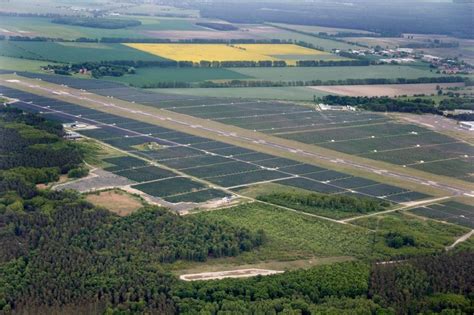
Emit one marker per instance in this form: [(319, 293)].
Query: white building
[(468, 125)]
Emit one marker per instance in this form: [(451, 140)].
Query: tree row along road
[(71, 93)]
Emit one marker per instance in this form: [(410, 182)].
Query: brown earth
[(116, 201)]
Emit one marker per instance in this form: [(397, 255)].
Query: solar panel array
[(221, 164)]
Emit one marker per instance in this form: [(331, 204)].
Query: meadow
[(154, 75), (295, 236), (221, 52), (18, 64), (42, 26), (337, 73)]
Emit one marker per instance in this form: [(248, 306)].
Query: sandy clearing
[(116, 201), (384, 89), (238, 273)]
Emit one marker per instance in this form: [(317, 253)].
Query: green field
[(72, 52), (336, 73), (41, 26), (326, 44), (295, 236), (276, 93), (17, 64), (318, 29), (155, 75)]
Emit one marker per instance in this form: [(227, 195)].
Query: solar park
[(185, 168), (365, 134)]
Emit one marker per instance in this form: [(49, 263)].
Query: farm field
[(153, 75), (42, 26), (220, 163), (336, 73), (275, 93), (72, 52), (390, 90), (18, 64), (244, 32), (325, 44), (320, 29), (451, 211), (140, 9), (237, 52)]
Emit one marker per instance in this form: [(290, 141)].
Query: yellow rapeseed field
[(223, 52)]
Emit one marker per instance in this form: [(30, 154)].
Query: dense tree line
[(383, 104), (96, 69), (429, 285), (425, 284), (96, 22), (218, 26), (387, 104), (293, 291), (312, 202), (268, 83), (23, 145)]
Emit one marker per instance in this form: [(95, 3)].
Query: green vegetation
[(154, 75), (42, 26), (18, 64), (423, 286), (52, 236), (295, 290), (122, 264), (427, 235), (337, 73), (96, 22), (78, 172), (70, 52), (292, 235), (332, 206), (408, 105), (31, 141), (383, 104)]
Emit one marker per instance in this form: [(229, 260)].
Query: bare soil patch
[(390, 90), (238, 273), (116, 201)]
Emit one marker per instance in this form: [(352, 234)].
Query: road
[(454, 190)]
